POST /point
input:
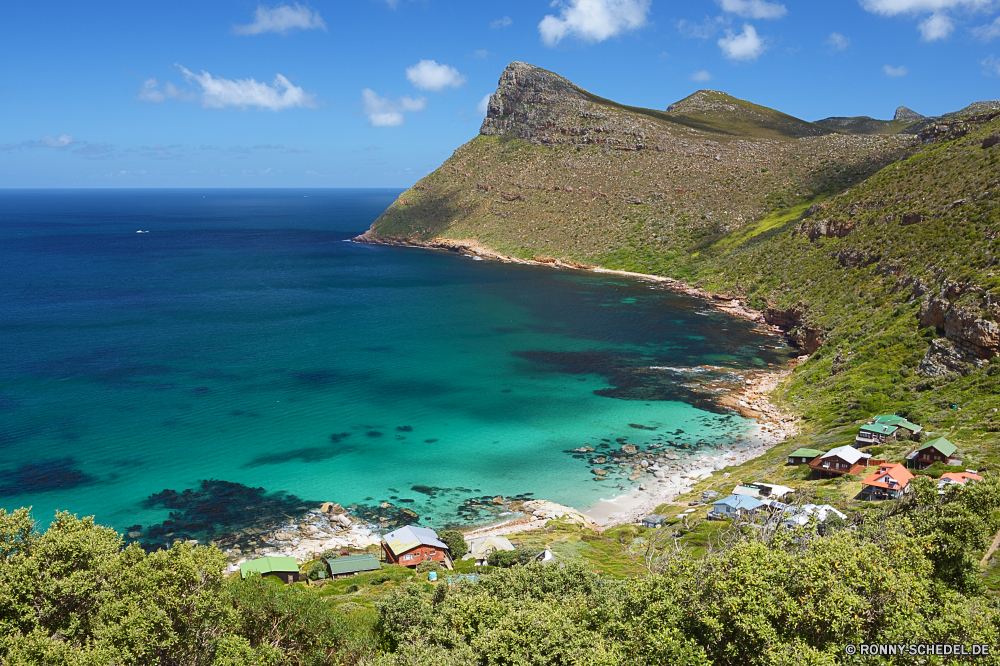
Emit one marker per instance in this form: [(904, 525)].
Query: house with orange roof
[(960, 478), (891, 481)]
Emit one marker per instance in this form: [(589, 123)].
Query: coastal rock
[(599, 472), (903, 113), (584, 449), (630, 449)]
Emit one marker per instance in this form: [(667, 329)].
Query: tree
[(455, 541)]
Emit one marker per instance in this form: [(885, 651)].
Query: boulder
[(629, 449)]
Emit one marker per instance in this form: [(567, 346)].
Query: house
[(938, 450), (960, 478), (480, 549), (733, 506), (746, 490), (803, 456), (884, 427), (799, 516), (771, 490), (285, 569), (889, 482), (341, 567), (411, 545), (841, 460), (653, 521)]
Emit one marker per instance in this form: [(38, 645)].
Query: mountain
[(879, 254)]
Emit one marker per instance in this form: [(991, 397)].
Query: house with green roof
[(341, 567), (803, 456), (285, 569), (938, 450), (885, 427)]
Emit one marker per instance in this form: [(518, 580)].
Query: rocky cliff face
[(903, 113), (974, 336)]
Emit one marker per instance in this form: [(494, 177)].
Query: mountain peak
[(705, 101), (903, 113)]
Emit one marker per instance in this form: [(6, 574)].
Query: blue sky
[(377, 93)]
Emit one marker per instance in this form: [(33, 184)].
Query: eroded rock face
[(943, 357), (807, 338), (903, 113), (828, 228), (972, 335)]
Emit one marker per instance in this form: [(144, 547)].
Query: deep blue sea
[(243, 340)]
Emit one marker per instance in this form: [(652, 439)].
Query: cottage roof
[(411, 536), (898, 421), (880, 428), (744, 490), (266, 565), (889, 476), (483, 548), (800, 514), (848, 454), (941, 444), (774, 489), (352, 564), (961, 477), (740, 502), (805, 453), (653, 518)]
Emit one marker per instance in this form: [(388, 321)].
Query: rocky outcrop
[(903, 113), (850, 258), (954, 128), (943, 358), (806, 338), (973, 336), (991, 140), (825, 228)]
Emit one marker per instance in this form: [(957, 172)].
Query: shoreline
[(749, 400), (472, 248)]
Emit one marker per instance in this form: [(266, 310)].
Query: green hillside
[(881, 247)]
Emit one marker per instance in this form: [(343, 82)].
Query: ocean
[(242, 350)]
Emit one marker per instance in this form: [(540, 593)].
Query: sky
[(377, 93)]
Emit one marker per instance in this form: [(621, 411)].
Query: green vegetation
[(905, 571)]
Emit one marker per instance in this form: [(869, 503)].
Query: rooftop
[(411, 536), (266, 565)]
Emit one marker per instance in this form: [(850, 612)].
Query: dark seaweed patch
[(308, 455), (217, 510), (430, 441), (337, 436), (60, 474), (505, 329), (388, 517), (373, 433), (202, 390), (404, 428)]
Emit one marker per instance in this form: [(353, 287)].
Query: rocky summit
[(874, 244)]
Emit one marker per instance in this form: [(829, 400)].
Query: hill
[(879, 251)]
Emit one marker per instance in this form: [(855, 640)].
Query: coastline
[(750, 400), (472, 248)]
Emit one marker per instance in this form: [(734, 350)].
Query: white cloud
[(593, 20), (429, 75), (481, 53), (992, 65), (483, 105), (501, 22), (745, 46), (757, 9), (219, 93), (896, 7), (282, 20), (895, 71), (936, 26), (385, 112), (988, 32), (703, 30), (150, 92), (47, 141), (701, 75), (837, 41)]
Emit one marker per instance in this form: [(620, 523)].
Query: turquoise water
[(243, 339)]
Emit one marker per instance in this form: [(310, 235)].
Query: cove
[(244, 340)]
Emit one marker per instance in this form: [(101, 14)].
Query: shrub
[(428, 565), (315, 569), (508, 558), (351, 589), (455, 541)]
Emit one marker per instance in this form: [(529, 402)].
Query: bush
[(315, 569), (455, 541), (351, 588), (508, 558), (429, 565)]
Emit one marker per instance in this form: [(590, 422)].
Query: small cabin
[(409, 546), (885, 427), (734, 505), (341, 567), (285, 569), (889, 482), (938, 450), (653, 521), (481, 548), (839, 461), (803, 456)]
